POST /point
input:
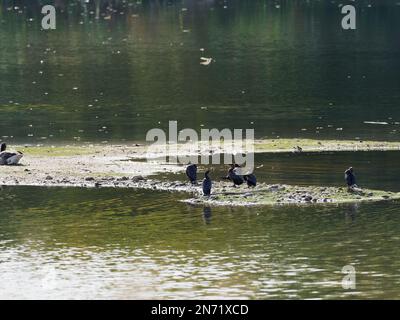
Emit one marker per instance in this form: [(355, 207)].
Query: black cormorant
[(207, 184), (234, 177), (191, 172), (250, 179), (350, 177)]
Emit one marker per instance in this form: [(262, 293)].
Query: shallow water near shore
[(108, 243), (374, 169), (75, 243)]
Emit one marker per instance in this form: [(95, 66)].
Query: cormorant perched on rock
[(9, 158), (234, 176), (207, 184), (350, 178), (250, 179), (191, 172)]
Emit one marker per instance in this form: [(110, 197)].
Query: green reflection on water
[(284, 69)]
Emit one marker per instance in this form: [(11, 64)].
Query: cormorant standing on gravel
[(250, 179), (207, 184), (191, 172), (350, 178), (234, 177)]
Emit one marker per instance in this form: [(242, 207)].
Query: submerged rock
[(138, 178)]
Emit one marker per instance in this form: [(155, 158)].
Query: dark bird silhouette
[(191, 172), (234, 177), (9, 158), (207, 215), (250, 179), (207, 184), (350, 177)]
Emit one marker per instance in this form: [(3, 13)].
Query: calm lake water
[(289, 71)]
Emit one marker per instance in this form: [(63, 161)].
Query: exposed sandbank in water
[(123, 166)]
